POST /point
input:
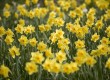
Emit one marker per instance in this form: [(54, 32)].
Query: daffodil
[(31, 68), (19, 29), (37, 57), (4, 70), (7, 13), (56, 67), (23, 40), (74, 67), (9, 32), (34, 1), (61, 56), (14, 51), (66, 68), (95, 37), (80, 43), (90, 61), (41, 46), (47, 65), (48, 53), (2, 31), (9, 40), (33, 42)]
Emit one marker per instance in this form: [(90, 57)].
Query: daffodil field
[(59, 40)]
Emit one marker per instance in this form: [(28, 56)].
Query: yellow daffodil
[(90, 61), (61, 56), (14, 51), (41, 46), (9, 40), (19, 28), (2, 31), (95, 37), (80, 44), (9, 32), (66, 68), (4, 70), (23, 40), (31, 68), (37, 57), (7, 13), (33, 42)]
